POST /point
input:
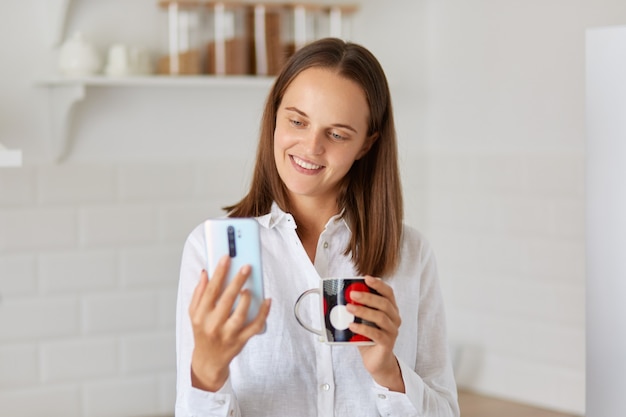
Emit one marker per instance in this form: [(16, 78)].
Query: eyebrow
[(303, 114)]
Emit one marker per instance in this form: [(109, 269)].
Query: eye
[(337, 136), (296, 123)]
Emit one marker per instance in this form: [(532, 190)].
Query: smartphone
[(239, 239)]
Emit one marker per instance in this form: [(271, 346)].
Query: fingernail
[(245, 269), (356, 295)]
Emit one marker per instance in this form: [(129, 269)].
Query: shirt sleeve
[(430, 387), (190, 401)]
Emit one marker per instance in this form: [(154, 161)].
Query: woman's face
[(321, 129)]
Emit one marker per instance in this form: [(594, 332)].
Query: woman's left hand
[(381, 309)]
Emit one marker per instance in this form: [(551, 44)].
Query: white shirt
[(287, 371)]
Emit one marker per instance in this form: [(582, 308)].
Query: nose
[(314, 142)]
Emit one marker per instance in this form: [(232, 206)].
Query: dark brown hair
[(371, 192)]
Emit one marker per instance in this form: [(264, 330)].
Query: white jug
[(78, 57)]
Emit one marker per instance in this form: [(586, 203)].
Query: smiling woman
[(326, 195), (318, 137)]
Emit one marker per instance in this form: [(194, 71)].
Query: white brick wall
[(17, 186), (150, 266), (88, 288), (125, 224), (71, 184), (510, 247), (77, 270), (79, 359), (115, 312), (19, 365), (128, 396), (89, 261), (50, 400), (159, 182), (34, 318), (17, 265), (34, 228), (149, 352)]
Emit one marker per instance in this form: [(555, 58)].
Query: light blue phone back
[(245, 235)]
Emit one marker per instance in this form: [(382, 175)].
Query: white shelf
[(64, 93), (160, 81), (10, 158)]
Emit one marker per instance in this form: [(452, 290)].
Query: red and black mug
[(334, 297)]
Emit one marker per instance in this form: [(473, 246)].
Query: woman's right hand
[(219, 336)]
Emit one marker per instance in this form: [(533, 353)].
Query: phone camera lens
[(232, 248)]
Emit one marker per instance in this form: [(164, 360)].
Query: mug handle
[(296, 311)]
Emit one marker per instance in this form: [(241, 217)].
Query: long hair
[(370, 193)]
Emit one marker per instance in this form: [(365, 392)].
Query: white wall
[(506, 148), (489, 99)]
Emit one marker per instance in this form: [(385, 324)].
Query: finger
[(240, 314), (378, 317), (258, 324), (374, 302), (388, 301), (214, 286), (232, 290), (371, 300), (198, 291), (381, 287), (378, 336)]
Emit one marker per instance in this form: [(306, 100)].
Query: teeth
[(304, 164)]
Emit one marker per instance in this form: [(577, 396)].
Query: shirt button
[(221, 402), (382, 396), (325, 387), (325, 245)]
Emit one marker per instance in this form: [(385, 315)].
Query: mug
[(119, 60), (334, 295), (126, 60)]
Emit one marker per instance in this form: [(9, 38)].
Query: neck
[(311, 216)]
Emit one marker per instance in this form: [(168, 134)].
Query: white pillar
[(606, 222)]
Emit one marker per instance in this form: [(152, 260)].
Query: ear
[(367, 145)]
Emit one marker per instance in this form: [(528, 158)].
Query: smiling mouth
[(306, 165)]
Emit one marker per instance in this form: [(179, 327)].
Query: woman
[(326, 193)]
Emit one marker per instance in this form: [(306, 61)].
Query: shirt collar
[(277, 217), (337, 221)]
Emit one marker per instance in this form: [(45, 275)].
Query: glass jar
[(228, 42), (184, 21), (266, 21), (302, 25), (336, 21)]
